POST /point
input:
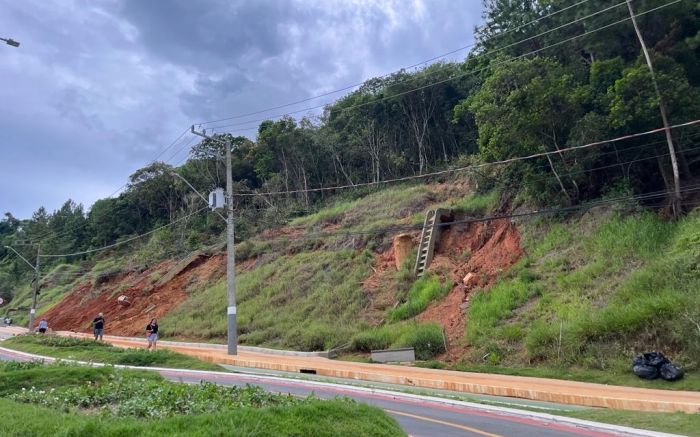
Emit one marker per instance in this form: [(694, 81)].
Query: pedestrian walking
[(43, 326), (99, 325), (152, 334)]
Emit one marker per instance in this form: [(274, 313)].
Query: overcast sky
[(98, 89)]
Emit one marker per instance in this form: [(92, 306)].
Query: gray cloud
[(97, 89)]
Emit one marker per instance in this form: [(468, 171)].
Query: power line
[(466, 168), (348, 87), (85, 252), (572, 173), (43, 237), (410, 227), (468, 73)]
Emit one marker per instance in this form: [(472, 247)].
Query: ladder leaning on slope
[(428, 238)]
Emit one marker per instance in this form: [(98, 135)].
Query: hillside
[(584, 290), (570, 202)]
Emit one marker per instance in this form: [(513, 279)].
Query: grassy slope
[(310, 299), (307, 301), (589, 295), (674, 423), (88, 350)]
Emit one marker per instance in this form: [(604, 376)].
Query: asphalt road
[(417, 416)]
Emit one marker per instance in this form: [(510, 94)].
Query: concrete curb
[(504, 411)]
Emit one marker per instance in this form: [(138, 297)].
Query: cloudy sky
[(98, 89)]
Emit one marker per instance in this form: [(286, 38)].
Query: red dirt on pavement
[(148, 297)]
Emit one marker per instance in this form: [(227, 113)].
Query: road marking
[(443, 422)]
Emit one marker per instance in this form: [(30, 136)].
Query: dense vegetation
[(72, 400), (591, 293)]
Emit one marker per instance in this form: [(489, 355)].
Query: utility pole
[(230, 250), (35, 288), (676, 199)]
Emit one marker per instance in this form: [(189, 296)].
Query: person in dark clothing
[(152, 334), (99, 325)]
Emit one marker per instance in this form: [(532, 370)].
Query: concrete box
[(394, 355)]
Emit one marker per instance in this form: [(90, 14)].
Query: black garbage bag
[(645, 371), (651, 365), (669, 372), (656, 359)]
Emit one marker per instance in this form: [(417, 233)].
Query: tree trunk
[(676, 199), (556, 175)]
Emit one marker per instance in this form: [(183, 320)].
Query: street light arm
[(195, 190), (10, 42), (23, 258)]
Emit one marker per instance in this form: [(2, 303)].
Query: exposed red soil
[(380, 295), (149, 298), (482, 249)]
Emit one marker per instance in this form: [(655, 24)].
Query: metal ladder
[(428, 237)]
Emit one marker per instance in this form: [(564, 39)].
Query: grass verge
[(88, 350), (675, 423)]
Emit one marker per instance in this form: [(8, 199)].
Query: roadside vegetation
[(589, 295), (99, 352), (115, 402), (672, 423)]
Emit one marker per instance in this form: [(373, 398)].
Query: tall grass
[(373, 211), (307, 301), (422, 292), (425, 338), (631, 284), (475, 204)]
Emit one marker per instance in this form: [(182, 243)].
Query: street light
[(35, 288), (10, 42)]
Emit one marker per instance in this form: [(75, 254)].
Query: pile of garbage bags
[(652, 365)]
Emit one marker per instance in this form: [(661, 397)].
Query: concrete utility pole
[(230, 250), (35, 288), (676, 199)]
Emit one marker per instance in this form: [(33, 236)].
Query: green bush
[(372, 339), (426, 339)]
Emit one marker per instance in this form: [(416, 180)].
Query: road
[(417, 415)]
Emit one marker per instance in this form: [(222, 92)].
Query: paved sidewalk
[(539, 389)]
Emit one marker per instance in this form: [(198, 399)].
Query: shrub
[(372, 339), (426, 339)]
